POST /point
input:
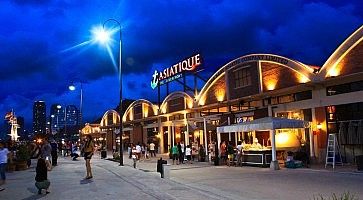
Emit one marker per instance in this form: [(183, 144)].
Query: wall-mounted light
[(220, 93), (319, 126)]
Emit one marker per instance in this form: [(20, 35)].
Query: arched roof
[(175, 95), (104, 117), (298, 67), (137, 102), (352, 41)]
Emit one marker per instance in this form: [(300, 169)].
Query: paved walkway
[(188, 181), (110, 182)]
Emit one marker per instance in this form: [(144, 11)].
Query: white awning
[(267, 123)]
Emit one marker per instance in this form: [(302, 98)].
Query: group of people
[(180, 152), (228, 153), (46, 155), (141, 151)]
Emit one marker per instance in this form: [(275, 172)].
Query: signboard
[(256, 57), (175, 71)]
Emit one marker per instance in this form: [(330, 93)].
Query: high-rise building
[(73, 115), (64, 120), (39, 117), (56, 118)]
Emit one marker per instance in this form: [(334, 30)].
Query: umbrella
[(342, 133), (360, 132)]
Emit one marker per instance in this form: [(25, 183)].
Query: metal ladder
[(332, 150)]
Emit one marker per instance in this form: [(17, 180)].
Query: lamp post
[(103, 37), (72, 87)]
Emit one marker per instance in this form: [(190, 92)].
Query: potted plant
[(22, 156), (10, 167)]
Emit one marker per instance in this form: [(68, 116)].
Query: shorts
[(189, 157), (42, 185), (230, 156), (175, 156), (88, 155)]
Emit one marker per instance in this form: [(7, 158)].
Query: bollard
[(166, 171), (159, 166)]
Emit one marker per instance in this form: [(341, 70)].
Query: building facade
[(39, 118), (261, 85)]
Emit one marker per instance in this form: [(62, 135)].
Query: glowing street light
[(103, 36)]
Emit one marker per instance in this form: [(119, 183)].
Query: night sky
[(38, 57)]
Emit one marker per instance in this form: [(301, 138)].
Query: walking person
[(223, 152), (181, 153), (182, 150), (134, 156), (230, 152), (239, 153), (138, 151), (4, 154), (88, 153), (46, 153), (175, 151), (41, 176), (152, 149), (146, 153), (143, 152), (188, 154), (54, 152)]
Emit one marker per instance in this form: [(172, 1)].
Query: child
[(41, 177)]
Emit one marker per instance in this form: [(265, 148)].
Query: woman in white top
[(188, 154)]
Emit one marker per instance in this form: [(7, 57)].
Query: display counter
[(260, 158)]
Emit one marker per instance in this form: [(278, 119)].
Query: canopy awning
[(267, 123)]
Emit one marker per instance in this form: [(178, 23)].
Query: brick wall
[(176, 104), (353, 61), (320, 116), (278, 75), (211, 93)]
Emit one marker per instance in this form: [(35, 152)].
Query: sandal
[(2, 189)]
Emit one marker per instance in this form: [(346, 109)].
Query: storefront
[(256, 86), (282, 136)]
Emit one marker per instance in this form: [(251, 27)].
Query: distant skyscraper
[(39, 117), (64, 120), (73, 115), (56, 118)]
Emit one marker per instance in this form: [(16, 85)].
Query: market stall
[(270, 124)]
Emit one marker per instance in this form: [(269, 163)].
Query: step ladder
[(332, 151)]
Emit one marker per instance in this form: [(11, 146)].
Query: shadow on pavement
[(35, 196), (85, 181)]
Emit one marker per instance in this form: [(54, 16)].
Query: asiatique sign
[(175, 71)]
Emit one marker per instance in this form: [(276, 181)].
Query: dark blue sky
[(34, 35)]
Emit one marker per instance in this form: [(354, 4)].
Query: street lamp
[(72, 87), (103, 36)]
